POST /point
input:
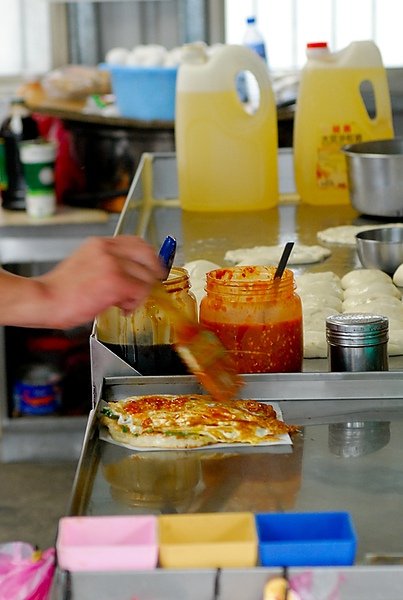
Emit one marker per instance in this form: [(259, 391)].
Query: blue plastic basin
[(144, 93)]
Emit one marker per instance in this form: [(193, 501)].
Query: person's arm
[(102, 272)]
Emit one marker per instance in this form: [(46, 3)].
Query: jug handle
[(383, 105), (383, 108), (241, 58)]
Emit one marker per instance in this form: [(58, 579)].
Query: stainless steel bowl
[(381, 248), (375, 177)]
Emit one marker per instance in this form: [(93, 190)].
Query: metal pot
[(375, 177)]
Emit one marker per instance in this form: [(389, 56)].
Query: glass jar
[(145, 337), (257, 318)]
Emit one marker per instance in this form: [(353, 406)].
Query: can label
[(30, 399)]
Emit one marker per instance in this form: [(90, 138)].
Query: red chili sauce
[(263, 348)]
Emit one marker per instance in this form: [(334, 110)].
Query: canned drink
[(37, 391)]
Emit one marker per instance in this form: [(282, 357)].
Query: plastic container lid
[(313, 45), (251, 20)]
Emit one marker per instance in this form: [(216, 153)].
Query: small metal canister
[(357, 342)]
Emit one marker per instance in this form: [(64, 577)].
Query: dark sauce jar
[(145, 338)]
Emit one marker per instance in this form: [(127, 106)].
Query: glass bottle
[(257, 318), (145, 338), (18, 126)]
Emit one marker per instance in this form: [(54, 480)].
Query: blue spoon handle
[(167, 253)]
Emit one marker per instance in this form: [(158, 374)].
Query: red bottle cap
[(316, 45)]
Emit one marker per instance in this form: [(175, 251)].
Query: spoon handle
[(283, 260)]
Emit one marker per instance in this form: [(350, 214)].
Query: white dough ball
[(309, 278), (365, 289), (395, 343), (378, 308), (320, 288), (352, 301), (197, 269), (315, 344), (313, 301), (398, 276), (360, 276)]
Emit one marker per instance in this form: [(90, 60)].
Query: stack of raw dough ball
[(359, 291), (325, 294), (321, 295)]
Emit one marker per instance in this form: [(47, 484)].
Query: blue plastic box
[(144, 93), (306, 539)]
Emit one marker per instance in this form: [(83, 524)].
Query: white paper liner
[(280, 440)]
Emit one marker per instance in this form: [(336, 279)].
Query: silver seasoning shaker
[(357, 342)]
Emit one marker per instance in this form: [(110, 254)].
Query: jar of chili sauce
[(257, 318)]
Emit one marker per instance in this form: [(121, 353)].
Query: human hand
[(103, 272)]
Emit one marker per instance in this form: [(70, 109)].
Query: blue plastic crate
[(306, 539), (144, 93)]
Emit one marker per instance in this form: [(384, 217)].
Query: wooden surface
[(64, 215), (75, 110)]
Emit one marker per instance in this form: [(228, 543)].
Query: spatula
[(201, 351)]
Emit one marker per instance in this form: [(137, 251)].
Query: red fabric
[(68, 173)]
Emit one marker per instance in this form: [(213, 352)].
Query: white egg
[(173, 58), (117, 56)]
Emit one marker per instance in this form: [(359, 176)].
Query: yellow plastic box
[(207, 540)]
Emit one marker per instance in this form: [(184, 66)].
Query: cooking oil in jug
[(226, 154), (333, 109)]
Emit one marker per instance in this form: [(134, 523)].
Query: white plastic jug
[(331, 112), (226, 156)]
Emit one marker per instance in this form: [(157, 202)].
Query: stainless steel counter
[(347, 454)]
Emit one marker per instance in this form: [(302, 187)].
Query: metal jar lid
[(357, 329)]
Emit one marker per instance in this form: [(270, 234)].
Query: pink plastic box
[(115, 543)]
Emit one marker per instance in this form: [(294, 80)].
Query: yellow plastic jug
[(226, 155), (331, 112)]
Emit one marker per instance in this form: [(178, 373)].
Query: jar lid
[(357, 329)]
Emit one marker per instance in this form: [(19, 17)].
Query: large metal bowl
[(381, 248), (375, 177)]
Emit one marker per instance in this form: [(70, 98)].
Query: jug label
[(331, 167)]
